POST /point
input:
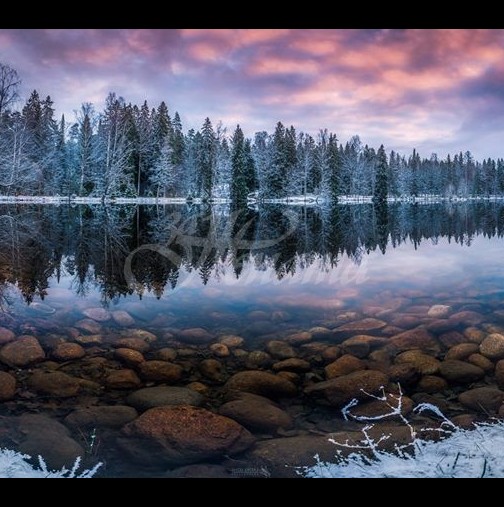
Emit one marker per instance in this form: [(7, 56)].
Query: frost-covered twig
[(15, 465), (463, 453)]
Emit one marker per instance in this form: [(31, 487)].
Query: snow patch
[(14, 465)]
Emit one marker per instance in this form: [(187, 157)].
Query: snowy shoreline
[(309, 200)]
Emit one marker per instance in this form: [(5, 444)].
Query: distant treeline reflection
[(93, 243)]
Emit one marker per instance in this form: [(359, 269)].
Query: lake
[(182, 340)]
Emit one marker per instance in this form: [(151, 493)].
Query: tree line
[(141, 151)]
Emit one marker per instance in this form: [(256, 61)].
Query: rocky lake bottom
[(165, 401)]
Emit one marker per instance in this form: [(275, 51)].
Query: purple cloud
[(435, 90)]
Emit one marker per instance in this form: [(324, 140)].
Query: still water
[(98, 305)]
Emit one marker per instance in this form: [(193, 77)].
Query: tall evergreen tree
[(239, 183), (381, 177)]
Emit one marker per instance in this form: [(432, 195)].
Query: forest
[(130, 150)]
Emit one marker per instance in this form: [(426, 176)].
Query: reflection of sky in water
[(431, 267)]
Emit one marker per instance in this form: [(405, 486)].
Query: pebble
[(343, 366), (26, 350), (68, 352)]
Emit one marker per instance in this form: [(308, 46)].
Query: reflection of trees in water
[(92, 243)]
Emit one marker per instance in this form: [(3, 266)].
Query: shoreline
[(311, 200)]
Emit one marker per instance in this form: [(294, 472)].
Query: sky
[(434, 90)]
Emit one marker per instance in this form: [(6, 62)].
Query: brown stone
[(343, 366), (424, 363), (89, 340), (256, 413), (166, 354), (439, 326), (499, 373), (195, 335), (298, 338), (320, 333), (281, 457), (122, 379), (262, 383), (482, 399), (41, 435), (213, 370), (460, 372), (161, 371), (181, 435), (68, 352), (240, 354), (122, 318), (24, 351), (161, 396), (57, 384), (483, 362), (464, 421), (382, 356), (356, 347), (114, 416), (142, 334), (462, 351), (220, 350), (360, 326), (331, 353), (6, 335), (290, 376), (360, 345), (129, 357), (134, 343), (7, 386), (98, 314), (341, 390), (474, 335), (404, 321), (280, 349), (258, 359), (231, 341), (452, 338), (493, 346), (432, 384), (467, 318), (392, 330), (293, 364), (405, 374), (418, 338), (89, 326), (379, 408)]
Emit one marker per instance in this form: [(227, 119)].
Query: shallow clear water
[(262, 275)]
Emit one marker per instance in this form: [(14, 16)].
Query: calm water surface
[(93, 276)]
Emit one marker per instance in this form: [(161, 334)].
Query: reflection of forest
[(92, 243)]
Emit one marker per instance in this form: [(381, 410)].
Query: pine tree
[(239, 184), (206, 160), (381, 180)]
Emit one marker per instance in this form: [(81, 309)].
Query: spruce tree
[(381, 183)]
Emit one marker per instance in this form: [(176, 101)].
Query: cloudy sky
[(436, 90)]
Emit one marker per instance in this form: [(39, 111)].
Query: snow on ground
[(296, 200), (461, 453), (465, 454), (14, 465)]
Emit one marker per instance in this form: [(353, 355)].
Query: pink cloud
[(274, 65)]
